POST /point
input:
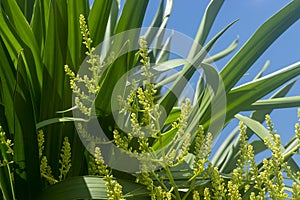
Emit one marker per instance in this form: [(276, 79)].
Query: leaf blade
[(258, 43)]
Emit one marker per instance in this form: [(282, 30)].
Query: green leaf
[(90, 187), (131, 18), (167, 138), (292, 147), (156, 22), (243, 96), (264, 68), (132, 190), (98, 18), (159, 22), (223, 53), (12, 43), (258, 146), (7, 85), (27, 8), (54, 97), (110, 27), (208, 19), (76, 188), (226, 151), (165, 66), (67, 110), (225, 154), (165, 51), (233, 156), (39, 22), (169, 65), (198, 109), (174, 115), (132, 15), (75, 8), (199, 88), (58, 120), (258, 43), (256, 127), (24, 32), (169, 99), (26, 158), (160, 31), (283, 102), (113, 18)]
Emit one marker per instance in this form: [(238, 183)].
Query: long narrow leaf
[(39, 22), (258, 43), (283, 102), (98, 18), (264, 68), (169, 99), (208, 19), (26, 158), (131, 18), (88, 187), (247, 94), (57, 120), (75, 8), (22, 28), (223, 53), (225, 154), (27, 8)]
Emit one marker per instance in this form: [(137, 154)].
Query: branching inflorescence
[(146, 136)]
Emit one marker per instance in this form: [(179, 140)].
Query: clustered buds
[(85, 88), (5, 145), (143, 114), (65, 160), (114, 189)]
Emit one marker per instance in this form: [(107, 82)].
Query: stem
[(190, 189), (160, 182), (49, 178), (168, 171), (167, 167), (11, 182), (173, 182)]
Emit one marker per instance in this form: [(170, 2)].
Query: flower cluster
[(114, 189), (266, 181), (6, 147), (85, 88), (259, 181), (218, 189), (65, 160), (142, 116), (145, 128), (45, 169), (181, 142), (202, 150)]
